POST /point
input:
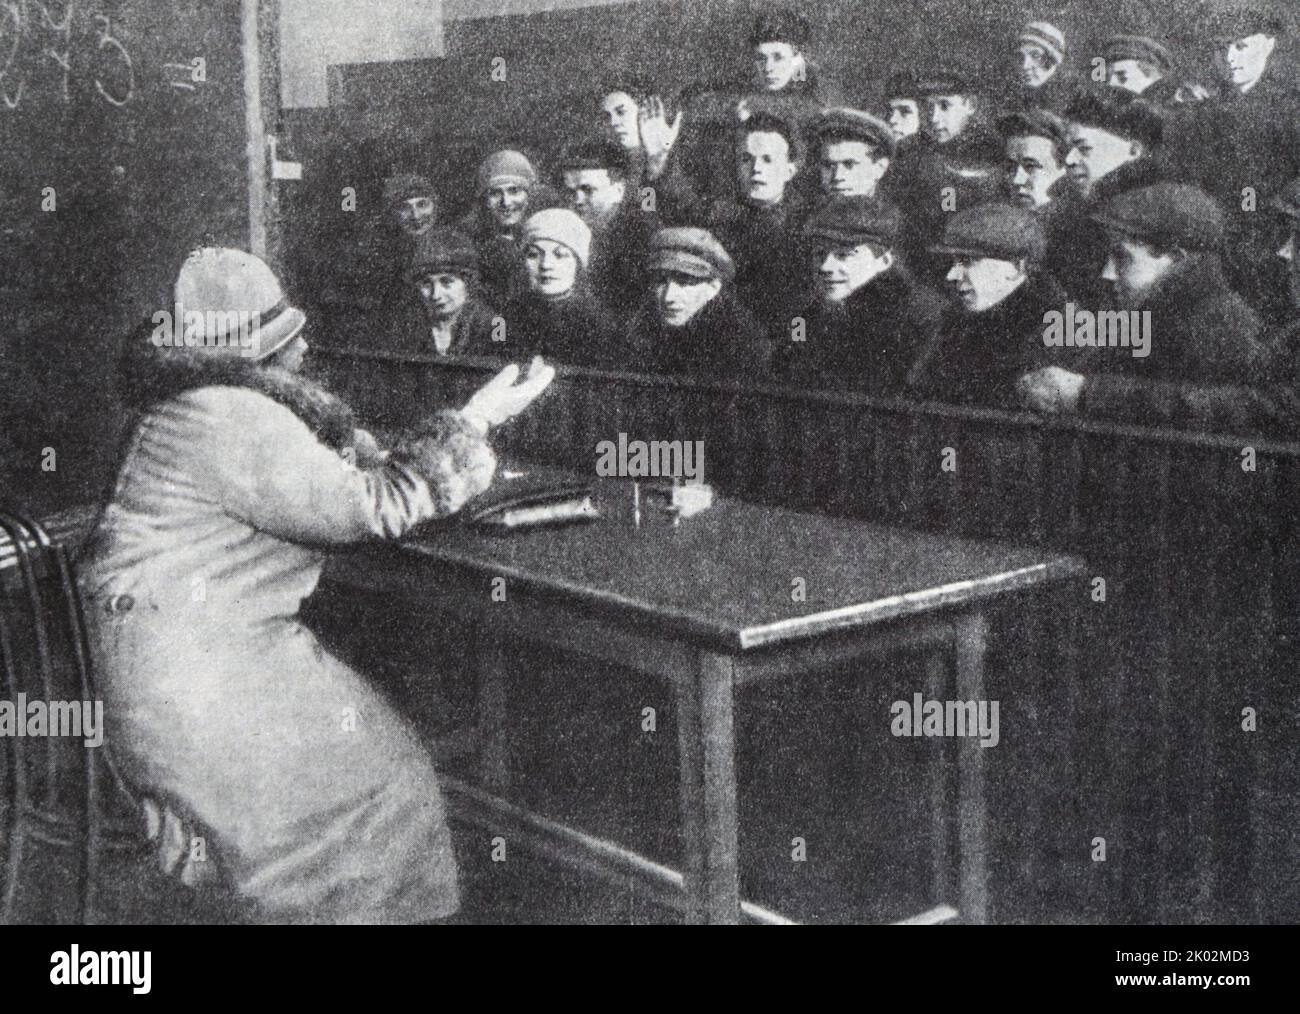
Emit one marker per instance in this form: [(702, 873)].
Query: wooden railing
[(1138, 697)]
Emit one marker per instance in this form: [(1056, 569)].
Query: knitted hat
[(1140, 48), (855, 125), (403, 186), (503, 168), (1000, 231), (236, 304), (1045, 35), (1166, 215), (1118, 112), (780, 25), (560, 225), (447, 251), (853, 220), (690, 251)]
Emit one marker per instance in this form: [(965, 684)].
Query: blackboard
[(123, 129)]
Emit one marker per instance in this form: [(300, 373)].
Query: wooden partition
[(1137, 698)]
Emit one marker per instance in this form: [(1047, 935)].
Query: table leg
[(493, 673), (972, 643), (936, 682), (706, 745)]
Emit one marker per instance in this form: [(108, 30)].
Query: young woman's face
[(552, 268), (443, 294), (507, 204)]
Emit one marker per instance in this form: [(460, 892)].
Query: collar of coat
[(148, 375)]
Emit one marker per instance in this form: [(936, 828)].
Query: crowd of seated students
[(922, 247)]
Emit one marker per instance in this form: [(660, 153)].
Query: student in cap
[(444, 314), (868, 318), (507, 191), (1164, 260), (223, 708), (992, 334), (854, 151), (603, 191), (690, 321), (1136, 63), (556, 313), (779, 42)]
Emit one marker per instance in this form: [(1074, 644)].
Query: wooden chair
[(54, 791)]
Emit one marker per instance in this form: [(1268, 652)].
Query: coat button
[(120, 604)]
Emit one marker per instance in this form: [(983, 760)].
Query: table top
[(738, 575)]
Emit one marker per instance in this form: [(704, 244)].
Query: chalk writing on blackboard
[(43, 50)]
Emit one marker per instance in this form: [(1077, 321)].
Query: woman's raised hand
[(505, 396)]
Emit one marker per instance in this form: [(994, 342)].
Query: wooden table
[(711, 605)]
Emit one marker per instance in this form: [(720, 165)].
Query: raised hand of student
[(657, 135), (505, 395)]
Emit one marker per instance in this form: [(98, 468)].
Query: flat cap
[(903, 84), (403, 186), (1165, 215), (855, 125), (1287, 200), (1226, 20), (1118, 112), (594, 155), (948, 81), (780, 24), (444, 250), (1037, 123), (1001, 231), (1141, 48), (690, 251), (853, 220)]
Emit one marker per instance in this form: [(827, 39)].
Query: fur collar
[(148, 375)]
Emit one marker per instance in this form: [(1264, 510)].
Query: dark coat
[(764, 242), (580, 330), (1206, 352), (978, 358), (410, 332), (1077, 246), (618, 254), (722, 342), (866, 343)]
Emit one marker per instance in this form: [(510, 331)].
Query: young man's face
[(1244, 60), (981, 283), (679, 297), (947, 116), (904, 117), (619, 115), (851, 168), (842, 269), (443, 294), (507, 204), (596, 196), (416, 215), (552, 268), (777, 64), (1134, 76), (764, 167), (1035, 65), (1095, 153), (1133, 268), (1031, 169)]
